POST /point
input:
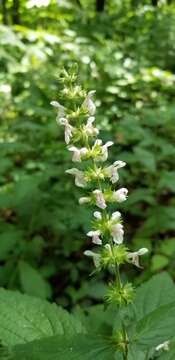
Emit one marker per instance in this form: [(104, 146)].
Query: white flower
[(84, 200), (112, 171), (77, 153), (68, 129), (134, 256), (96, 257), (79, 177), (88, 104), (97, 215), (95, 236), (89, 129), (164, 346), (120, 195), (60, 108), (104, 150), (100, 201), (117, 233), (116, 216)]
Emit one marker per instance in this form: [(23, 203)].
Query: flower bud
[(112, 256), (84, 200), (121, 295)]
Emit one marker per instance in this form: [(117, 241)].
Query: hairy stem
[(124, 332)]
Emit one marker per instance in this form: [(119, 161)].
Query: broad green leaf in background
[(159, 262), (33, 282)]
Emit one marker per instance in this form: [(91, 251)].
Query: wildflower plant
[(134, 323), (99, 181)]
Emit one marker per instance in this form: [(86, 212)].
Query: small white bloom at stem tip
[(134, 256), (95, 236), (164, 346), (100, 200)]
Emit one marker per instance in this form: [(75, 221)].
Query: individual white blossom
[(112, 170), (77, 153), (117, 233), (60, 109), (96, 257), (120, 195), (116, 216), (98, 215), (84, 200), (89, 128), (104, 149), (100, 200), (95, 236), (79, 177), (68, 130), (88, 103), (164, 346), (133, 257)]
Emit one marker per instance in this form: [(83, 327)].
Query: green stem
[(125, 336)]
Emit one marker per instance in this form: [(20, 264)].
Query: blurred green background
[(126, 51)]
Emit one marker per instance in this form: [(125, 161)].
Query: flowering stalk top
[(76, 113)]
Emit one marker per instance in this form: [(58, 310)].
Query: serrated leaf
[(156, 327), (24, 318), (77, 347), (158, 291), (33, 282)]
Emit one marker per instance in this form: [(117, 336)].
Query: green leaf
[(32, 281), (76, 347), (167, 181), (167, 247), (156, 327), (8, 242), (158, 262), (135, 353), (25, 319), (158, 291)]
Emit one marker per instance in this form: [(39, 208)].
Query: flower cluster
[(76, 114)]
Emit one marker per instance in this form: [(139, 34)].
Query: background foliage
[(126, 52)]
